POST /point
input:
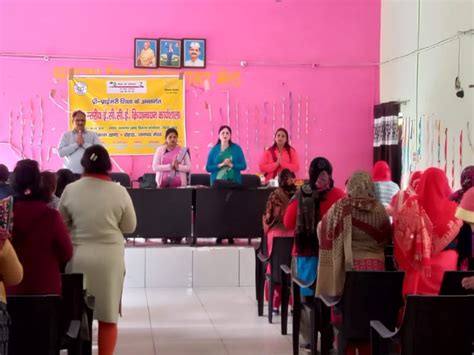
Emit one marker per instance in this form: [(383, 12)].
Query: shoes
[(305, 347), (276, 311)]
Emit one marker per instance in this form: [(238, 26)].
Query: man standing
[(75, 142)]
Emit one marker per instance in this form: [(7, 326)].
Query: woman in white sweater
[(97, 212)]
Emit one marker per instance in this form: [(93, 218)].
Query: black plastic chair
[(319, 314), (432, 325), (281, 255), (389, 258), (367, 295), (200, 179), (452, 283), (285, 297), (35, 324), (122, 178), (251, 181), (76, 316)]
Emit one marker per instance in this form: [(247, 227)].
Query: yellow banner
[(130, 114)]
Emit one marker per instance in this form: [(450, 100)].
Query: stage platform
[(151, 264)]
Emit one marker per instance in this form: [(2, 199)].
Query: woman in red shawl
[(425, 233), (403, 195)]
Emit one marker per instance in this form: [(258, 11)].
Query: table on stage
[(196, 212)]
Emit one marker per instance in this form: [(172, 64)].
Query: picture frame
[(145, 50), (194, 52), (170, 53)]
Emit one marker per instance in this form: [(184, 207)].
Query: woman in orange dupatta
[(425, 231)]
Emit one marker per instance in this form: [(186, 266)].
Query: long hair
[(221, 128), (27, 181), (287, 145)]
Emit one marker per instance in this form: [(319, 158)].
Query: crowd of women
[(49, 228), (339, 230)]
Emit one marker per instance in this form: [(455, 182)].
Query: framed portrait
[(194, 53), (170, 53), (145, 53)]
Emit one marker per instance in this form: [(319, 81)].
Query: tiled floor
[(217, 320)]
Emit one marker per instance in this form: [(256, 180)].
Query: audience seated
[(11, 271), (5, 188), (98, 212), (39, 235)]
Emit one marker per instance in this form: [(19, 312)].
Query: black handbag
[(147, 181)]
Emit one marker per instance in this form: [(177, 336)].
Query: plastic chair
[(367, 295), (281, 255), (35, 324), (432, 325)]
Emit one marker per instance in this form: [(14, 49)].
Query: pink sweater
[(268, 165), (159, 167)]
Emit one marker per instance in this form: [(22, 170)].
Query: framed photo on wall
[(145, 53), (170, 53), (194, 53)]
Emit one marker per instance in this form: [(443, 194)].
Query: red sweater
[(43, 246), (269, 166), (289, 220)]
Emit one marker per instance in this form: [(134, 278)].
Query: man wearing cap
[(194, 53), (75, 142)]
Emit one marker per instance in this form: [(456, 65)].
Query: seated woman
[(281, 155), (403, 195), (467, 181), (465, 211), (303, 214), (11, 271), (425, 235), (226, 159), (171, 162), (385, 188), (357, 224), (39, 235), (273, 223)]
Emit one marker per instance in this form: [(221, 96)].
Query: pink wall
[(271, 33)]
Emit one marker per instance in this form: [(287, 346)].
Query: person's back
[(39, 235), (96, 208)]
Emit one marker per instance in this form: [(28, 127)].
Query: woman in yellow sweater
[(11, 271)]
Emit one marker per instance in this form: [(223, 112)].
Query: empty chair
[(122, 178), (432, 325), (35, 324), (280, 255), (367, 295), (251, 181), (452, 283), (76, 316), (200, 179)]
